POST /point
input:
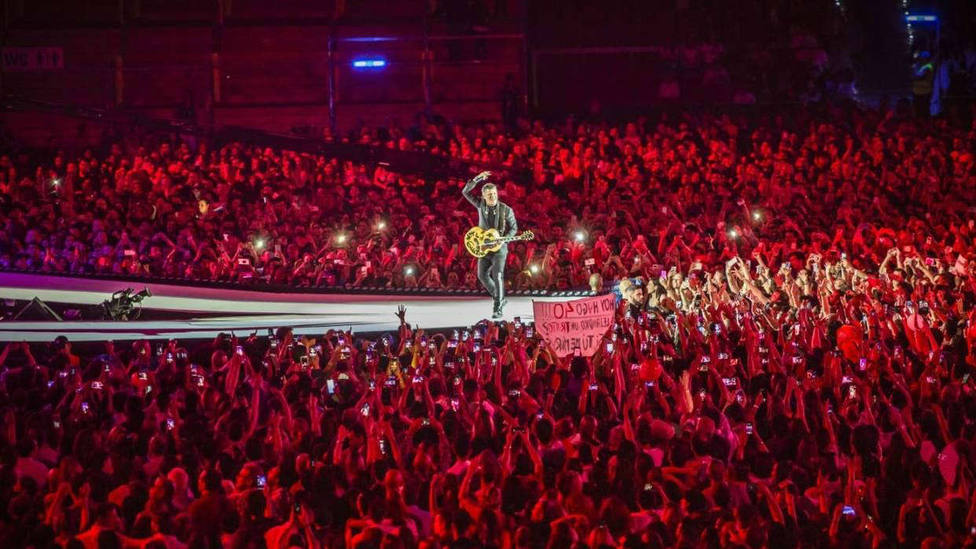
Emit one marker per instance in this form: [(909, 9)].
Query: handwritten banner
[(571, 325)]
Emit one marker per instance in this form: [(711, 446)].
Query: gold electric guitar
[(481, 242)]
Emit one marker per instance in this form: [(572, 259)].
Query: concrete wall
[(272, 70)]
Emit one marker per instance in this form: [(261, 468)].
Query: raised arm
[(470, 185)]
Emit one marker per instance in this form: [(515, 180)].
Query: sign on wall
[(32, 59)]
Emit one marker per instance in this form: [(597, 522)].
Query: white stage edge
[(246, 311)]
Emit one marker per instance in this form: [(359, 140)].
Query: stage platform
[(204, 311)]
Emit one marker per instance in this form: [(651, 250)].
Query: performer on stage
[(492, 214)]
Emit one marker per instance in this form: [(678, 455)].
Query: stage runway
[(241, 311)]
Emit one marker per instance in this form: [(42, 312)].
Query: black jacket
[(505, 221)]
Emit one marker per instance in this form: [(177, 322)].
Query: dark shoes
[(499, 308)]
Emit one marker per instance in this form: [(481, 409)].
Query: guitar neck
[(505, 239)]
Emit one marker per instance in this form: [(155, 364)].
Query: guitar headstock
[(526, 235)]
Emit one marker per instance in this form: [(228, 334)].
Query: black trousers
[(491, 273)]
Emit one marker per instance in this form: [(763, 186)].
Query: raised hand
[(482, 176), (402, 313)]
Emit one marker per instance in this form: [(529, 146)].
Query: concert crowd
[(789, 366), (633, 198), (741, 421)]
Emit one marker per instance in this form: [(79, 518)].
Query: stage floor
[(240, 311)]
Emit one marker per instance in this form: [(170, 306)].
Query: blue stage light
[(369, 63)]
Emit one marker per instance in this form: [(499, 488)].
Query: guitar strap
[(498, 216)]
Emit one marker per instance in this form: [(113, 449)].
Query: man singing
[(492, 214)]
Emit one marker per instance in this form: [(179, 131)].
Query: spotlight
[(408, 270), (733, 234), (580, 236), (369, 63), (341, 238), (380, 225), (533, 268), (259, 243), (757, 215)]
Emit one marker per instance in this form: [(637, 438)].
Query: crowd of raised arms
[(789, 365)]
